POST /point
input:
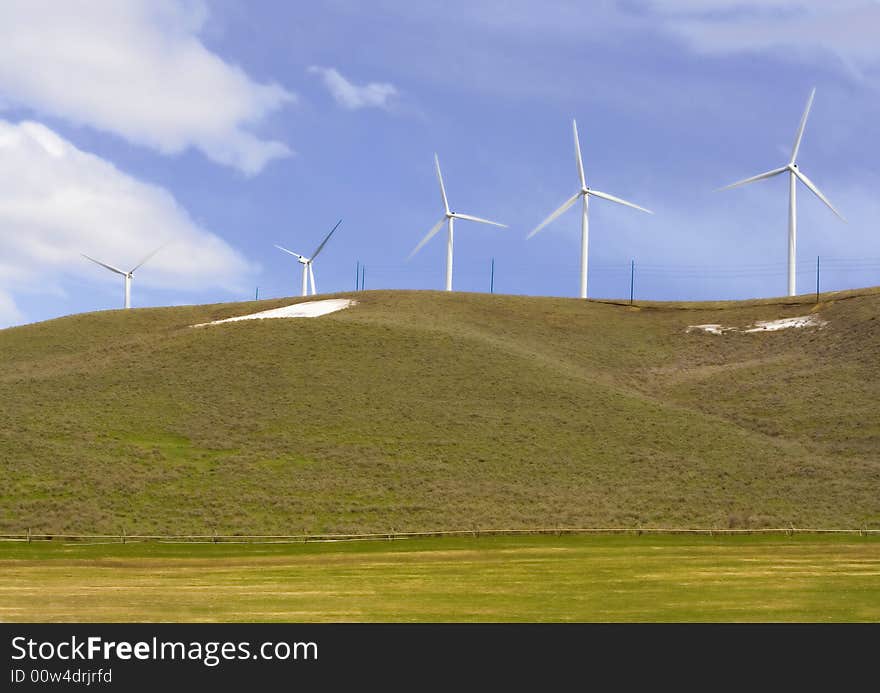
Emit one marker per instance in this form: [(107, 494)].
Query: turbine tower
[(794, 174), (584, 195), (128, 275), (449, 217), (308, 273)]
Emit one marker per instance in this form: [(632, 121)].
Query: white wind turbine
[(128, 275), (308, 273), (794, 174), (449, 217), (584, 194)]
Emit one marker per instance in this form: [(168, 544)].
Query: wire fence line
[(506, 274), (125, 538)]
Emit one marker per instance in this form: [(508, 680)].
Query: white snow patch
[(763, 325), (785, 323), (309, 309), (710, 328)]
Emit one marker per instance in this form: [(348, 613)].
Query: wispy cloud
[(9, 312), (58, 201), (351, 96), (801, 30), (139, 70)]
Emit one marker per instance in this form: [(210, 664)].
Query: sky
[(215, 129)]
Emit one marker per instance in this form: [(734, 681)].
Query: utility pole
[(632, 279), (492, 278)]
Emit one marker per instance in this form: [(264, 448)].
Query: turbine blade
[(109, 267), (456, 215), (577, 153), (611, 198), (818, 193), (442, 187), (148, 257), (800, 132), (565, 205), (760, 176), (289, 252), (327, 238), (428, 237), (312, 279)]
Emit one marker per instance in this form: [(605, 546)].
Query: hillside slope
[(426, 410)]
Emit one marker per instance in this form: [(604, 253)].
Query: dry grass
[(657, 578), (431, 411)]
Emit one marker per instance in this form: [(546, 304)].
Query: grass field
[(569, 578), (427, 410)]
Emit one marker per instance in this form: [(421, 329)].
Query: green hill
[(427, 410)]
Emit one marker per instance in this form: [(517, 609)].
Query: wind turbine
[(449, 217), (128, 275), (584, 194), (306, 262), (794, 174)]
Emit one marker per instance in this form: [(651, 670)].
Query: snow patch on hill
[(309, 309), (762, 325)]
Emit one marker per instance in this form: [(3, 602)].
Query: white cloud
[(9, 313), (351, 96), (57, 202), (136, 69)]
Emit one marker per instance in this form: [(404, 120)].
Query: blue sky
[(227, 126)]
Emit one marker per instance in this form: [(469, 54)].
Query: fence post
[(123, 535), (29, 535), (632, 279)]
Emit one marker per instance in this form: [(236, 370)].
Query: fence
[(124, 538), (642, 277)]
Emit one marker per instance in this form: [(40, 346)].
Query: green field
[(569, 578), (425, 411)]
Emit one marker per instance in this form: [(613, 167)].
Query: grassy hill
[(427, 410)]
